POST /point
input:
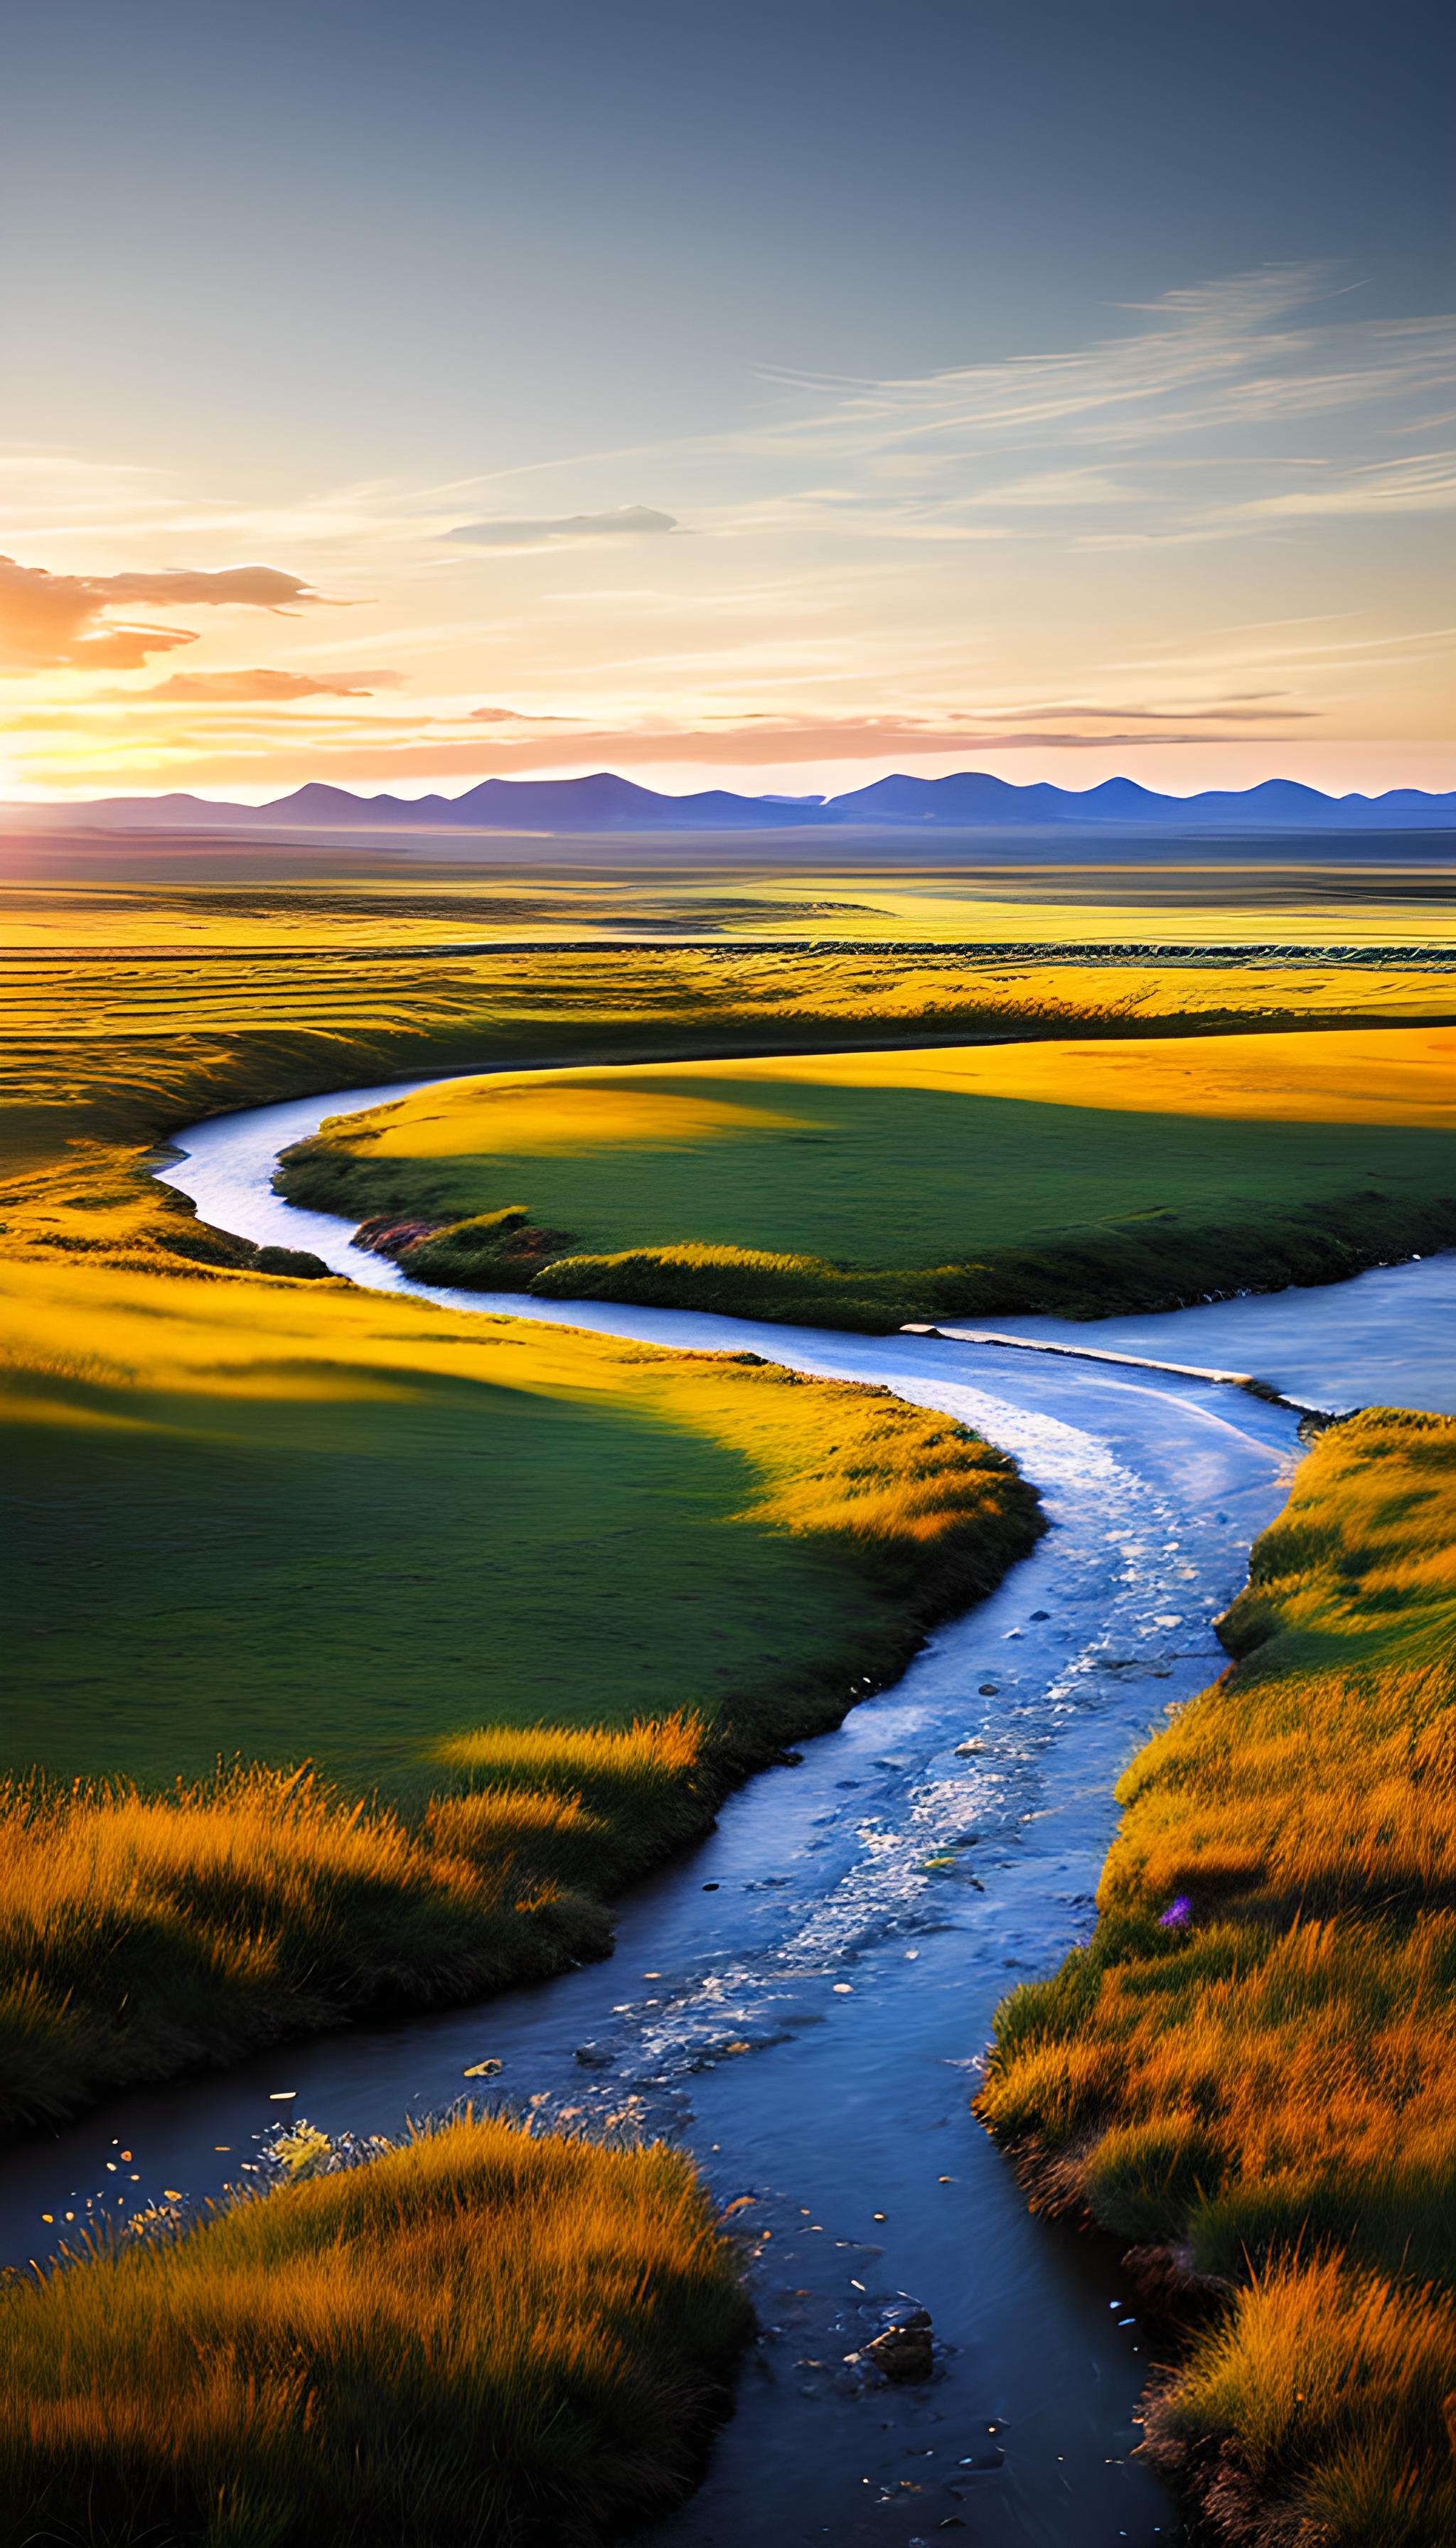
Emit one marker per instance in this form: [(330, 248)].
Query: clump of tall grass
[(602, 1805), (1266, 2078), (485, 2337), (1327, 2392), (141, 1934)]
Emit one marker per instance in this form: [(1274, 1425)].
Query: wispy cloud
[(517, 716), (1206, 420), (622, 521), (1015, 555), (1422, 485), (256, 686)]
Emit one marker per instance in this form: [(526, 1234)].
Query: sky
[(770, 398)]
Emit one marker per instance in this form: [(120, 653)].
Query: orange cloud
[(256, 686), (214, 750), (59, 622), (517, 716)]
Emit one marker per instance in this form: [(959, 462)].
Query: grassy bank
[(284, 1523), (864, 1189), (1253, 2062), (483, 2337)]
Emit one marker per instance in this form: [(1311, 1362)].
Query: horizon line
[(53, 803)]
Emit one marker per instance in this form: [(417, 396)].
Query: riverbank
[(297, 1521), (482, 2334), (1072, 1178), (1246, 2075)]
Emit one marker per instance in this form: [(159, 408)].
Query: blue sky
[(781, 395)]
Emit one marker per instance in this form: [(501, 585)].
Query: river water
[(805, 2000)]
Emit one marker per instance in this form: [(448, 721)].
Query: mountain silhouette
[(968, 800)]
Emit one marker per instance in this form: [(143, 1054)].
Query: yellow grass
[(1392, 1075), (142, 1933), (1338, 2389), (483, 2337), (99, 1056), (519, 1111), (260, 896), (1272, 2077), (139, 1934)]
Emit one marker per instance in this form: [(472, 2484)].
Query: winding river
[(804, 2001)]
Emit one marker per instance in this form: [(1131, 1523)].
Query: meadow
[(258, 1519), (361, 1651), (863, 1189), (483, 2335), (1249, 2073)]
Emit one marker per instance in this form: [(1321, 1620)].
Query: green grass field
[(289, 1521), (869, 1189)]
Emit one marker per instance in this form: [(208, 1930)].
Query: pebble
[(905, 2349)]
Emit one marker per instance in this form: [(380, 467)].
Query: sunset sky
[(772, 395)]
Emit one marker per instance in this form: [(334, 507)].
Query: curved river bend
[(804, 1999)]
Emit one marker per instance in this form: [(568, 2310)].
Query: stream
[(805, 1999)]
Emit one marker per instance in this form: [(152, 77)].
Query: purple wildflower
[(1178, 1913)]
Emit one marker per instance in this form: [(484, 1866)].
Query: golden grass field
[(484, 2335), (1389, 1075), (1254, 2061), (102, 1056), (59, 894)]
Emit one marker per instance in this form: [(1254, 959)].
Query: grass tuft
[(487, 2336)]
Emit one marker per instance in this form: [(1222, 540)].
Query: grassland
[(1250, 2071), (864, 1189), (483, 2336), (295, 1521), (103, 1054), (277, 1522), (61, 894)]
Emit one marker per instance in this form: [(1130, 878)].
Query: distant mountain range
[(969, 800)]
